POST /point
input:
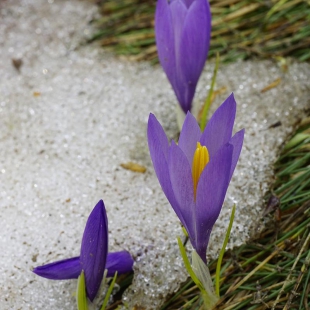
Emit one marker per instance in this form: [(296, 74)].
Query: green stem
[(200, 274)]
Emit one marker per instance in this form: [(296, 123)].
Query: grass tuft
[(241, 29)]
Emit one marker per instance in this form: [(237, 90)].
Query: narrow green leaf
[(206, 108), (184, 231), (274, 9), (219, 261), (188, 265), (109, 292), (306, 263), (180, 116), (296, 140), (81, 298)]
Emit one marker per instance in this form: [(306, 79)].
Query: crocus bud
[(182, 29), (93, 260)]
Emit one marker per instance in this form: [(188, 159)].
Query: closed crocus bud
[(94, 257), (182, 29)]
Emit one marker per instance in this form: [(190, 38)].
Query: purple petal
[(178, 13), (194, 44), (121, 262), (94, 249), (190, 135), (188, 3), (158, 145), (182, 184), (165, 39), (211, 191), (237, 142), (60, 270), (219, 128), (156, 137)]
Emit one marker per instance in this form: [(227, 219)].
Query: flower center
[(200, 160)]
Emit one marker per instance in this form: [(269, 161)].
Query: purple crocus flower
[(195, 174), (182, 29), (94, 257)]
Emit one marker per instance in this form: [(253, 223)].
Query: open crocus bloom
[(94, 257), (195, 174), (182, 29)]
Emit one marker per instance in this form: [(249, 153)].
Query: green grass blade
[(222, 252), (206, 108), (109, 292)]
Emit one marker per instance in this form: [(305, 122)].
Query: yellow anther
[(200, 160)]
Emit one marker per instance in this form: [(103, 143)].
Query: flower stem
[(200, 274)]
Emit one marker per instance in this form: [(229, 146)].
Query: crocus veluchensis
[(195, 173), (182, 29), (94, 257)]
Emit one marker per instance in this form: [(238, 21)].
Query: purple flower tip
[(195, 174), (182, 29), (94, 249)]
